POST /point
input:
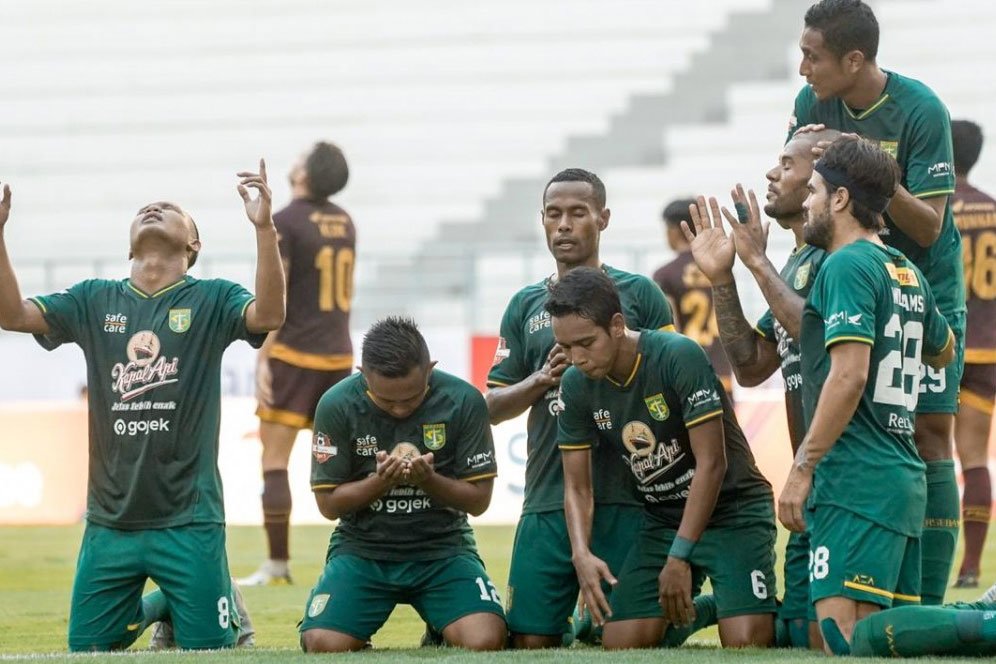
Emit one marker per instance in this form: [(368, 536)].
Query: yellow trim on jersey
[(949, 342), (869, 589), (313, 361), (38, 303), (703, 418), (980, 356), (574, 446), (933, 192), (478, 478), (835, 340), (976, 401), (246, 307), (158, 292), (496, 383), (286, 417), (668, 328), (632, 374), (133, 626), (906, 598), (319, 487), (868, 111)]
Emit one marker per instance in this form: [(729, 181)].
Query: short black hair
[(967, 139), (326, 169), (393, 346), (580, 175), (586, 292), (867, 166), (846, 25), (677, 211)]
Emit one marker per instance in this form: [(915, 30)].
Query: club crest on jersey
[(434, 436), (657, 407), (179, 320), (318, 604), (891, 148), (323, 450), (802, 276)]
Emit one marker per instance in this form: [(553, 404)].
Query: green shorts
[(355, 596), (542, 585), (856, 558), (187, 562), (739, 560), (939, 387), (795, 572)]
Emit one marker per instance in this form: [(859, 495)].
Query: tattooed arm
[(753, 357)]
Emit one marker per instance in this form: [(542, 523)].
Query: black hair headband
[(869, 199)]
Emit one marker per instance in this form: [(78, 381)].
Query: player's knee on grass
[(750, 631), (536, 641), (639, 633), (477, 631), (327, 640)]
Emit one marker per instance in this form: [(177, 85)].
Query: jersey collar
[(874, 107), (145, 296)]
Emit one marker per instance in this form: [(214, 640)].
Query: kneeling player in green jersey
[(153, 345), (756, 353), (869, 319), (402, 453), (542, 585), (652, 400), (847, 90)]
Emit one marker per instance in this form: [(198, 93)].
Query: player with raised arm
[(312, 351), (689, 292), (869, 320), (975, 216), (402, 452), (848, 91), (153, 345), (542, 586), (652, 403)]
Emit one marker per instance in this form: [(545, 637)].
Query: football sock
[(940, 531), (154, 609), (705, 616), (914, 631), (976, 513), (276, 512)]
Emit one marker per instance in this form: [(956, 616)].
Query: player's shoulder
[(629, 281), (456, 389), (662, 343), (527, 297), (912, 94)]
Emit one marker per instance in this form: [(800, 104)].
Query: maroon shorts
[(295, 393), (978, 387)]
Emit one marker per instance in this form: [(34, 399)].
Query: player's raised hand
[(712, 249), (257, 209), (591, 571), (420, 468), (5, 206), (674, 587), (555, 365), (792, 502), (390, 469), (750, 235)]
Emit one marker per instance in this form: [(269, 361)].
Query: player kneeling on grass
[(858, 485), (655, 399), (402, 453)]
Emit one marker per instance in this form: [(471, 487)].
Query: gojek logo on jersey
[(145, 369)]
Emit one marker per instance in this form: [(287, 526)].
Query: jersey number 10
[(335, 278)]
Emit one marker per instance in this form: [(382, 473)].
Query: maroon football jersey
[(691, 298), (975, 216), (318, 242)]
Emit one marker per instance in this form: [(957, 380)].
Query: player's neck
[(625, 362), (300, 190), (153, 271), (564, 268), (851, 232), (867, 89), (795, 225)]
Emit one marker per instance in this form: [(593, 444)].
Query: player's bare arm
[(359, 494), (16, 313), (267, 312), (472, 497), (751, 241), (753, 358), (504, 403), (920, 218), (675, 581), (837, 403), (579, 509)]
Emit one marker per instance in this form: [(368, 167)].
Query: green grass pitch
[(36, 569)]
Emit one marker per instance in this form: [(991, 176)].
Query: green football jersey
[(526, 340), (909, 122), (799, 272), (350, 429), (154, 379), (872, 294), (643, 425)]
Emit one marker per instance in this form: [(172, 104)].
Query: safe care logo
[(145, 369)]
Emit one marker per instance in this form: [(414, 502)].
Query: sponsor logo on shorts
[(657, 407), (138, 427), (322, 447), (318, 604), (115, 323), (179, 320), (434, 436)]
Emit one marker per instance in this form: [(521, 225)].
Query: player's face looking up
[(164, 221), (787, 182), (589, 346), (827, 74), (818, 229), (572, 221), (399, 397)]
